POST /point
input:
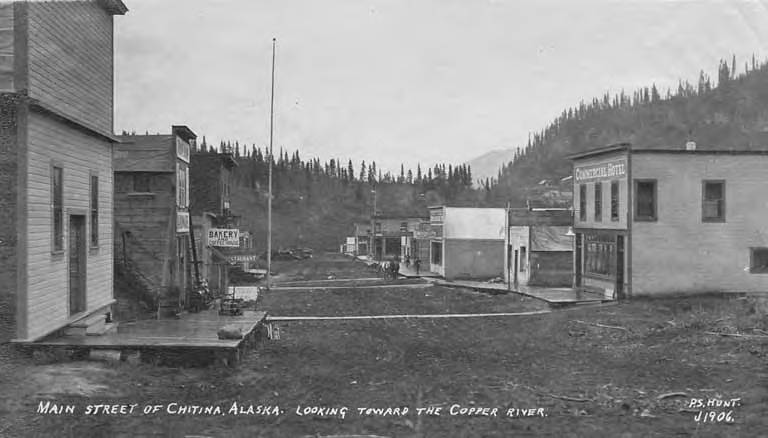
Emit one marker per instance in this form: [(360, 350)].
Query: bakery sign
[(610, 170), (223, 237)]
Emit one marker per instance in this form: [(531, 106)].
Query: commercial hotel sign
[(611, 170)]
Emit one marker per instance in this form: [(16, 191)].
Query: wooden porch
[(192, 337)]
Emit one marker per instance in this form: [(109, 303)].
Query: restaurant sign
[(243, 258), (182, 222), (223, 237), (610, 170)]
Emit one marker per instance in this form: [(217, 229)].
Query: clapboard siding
[(7, 40), (151, 220), (49, 142), (71, 60), (11, 251), (679, 253)]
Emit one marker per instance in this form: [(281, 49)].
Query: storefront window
[(600, 255)]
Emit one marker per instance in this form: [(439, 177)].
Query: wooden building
[(152, 211), (362, 235), (670, 221), (467, 242), (540, 249), (56, 138), (211, 179)]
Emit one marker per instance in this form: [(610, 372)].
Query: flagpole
[(269, 199)]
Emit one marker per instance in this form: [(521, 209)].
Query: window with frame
[(614, 200), (523, 259), (582, 202), (645, 200), (181, 186), (598, 201), (94, 211), (758, 261), (713, 201), (57, 187), (600, 258), (142, 182)]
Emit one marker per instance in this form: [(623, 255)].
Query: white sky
[(408, 80)]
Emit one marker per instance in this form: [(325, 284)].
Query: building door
[(77, 261), (516, 264), (619, 267), (578, 257)]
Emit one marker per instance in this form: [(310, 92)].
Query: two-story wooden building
[(211, 178), (152, 192), (56, 138), (670, 221)]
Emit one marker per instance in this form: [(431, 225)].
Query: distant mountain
[(489, 164)]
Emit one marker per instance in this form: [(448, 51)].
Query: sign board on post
[(182, 222), (223, 237)]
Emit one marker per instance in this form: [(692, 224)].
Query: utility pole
[(506, 250), (269, 199), (373, 227)]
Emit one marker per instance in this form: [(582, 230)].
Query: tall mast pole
[(269, 199)]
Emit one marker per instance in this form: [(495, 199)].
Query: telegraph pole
[(269, 199), (372, 249)]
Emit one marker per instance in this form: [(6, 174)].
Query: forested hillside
[(729, 113), (315, 203)]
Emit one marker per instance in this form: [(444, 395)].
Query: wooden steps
[(92, 325)]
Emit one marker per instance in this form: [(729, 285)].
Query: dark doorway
[(77, 263), (619, 267), (578, 255), (516, 265)]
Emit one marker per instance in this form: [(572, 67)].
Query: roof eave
[(114, 7)]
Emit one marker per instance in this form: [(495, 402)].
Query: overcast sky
[(407, 80)]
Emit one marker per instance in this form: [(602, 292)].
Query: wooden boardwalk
[(556, 296), (191, 331)]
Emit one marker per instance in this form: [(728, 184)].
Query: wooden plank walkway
[(358, 287), (192, 330), (269, 319), (551, 295)]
